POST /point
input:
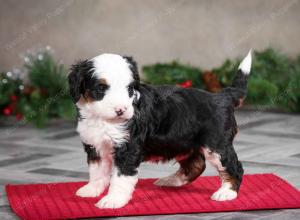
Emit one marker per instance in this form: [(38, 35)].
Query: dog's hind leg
[(230, 172), (190, 168)]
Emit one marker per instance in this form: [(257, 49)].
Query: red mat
[(58, 200)]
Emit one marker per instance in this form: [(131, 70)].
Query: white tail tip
[(245, 65)]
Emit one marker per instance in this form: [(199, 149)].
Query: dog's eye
[(130, 90), (98, 91), (101, 87)]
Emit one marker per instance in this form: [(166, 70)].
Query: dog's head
[(105, 86)]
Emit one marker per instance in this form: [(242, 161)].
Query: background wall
[(203, 33)]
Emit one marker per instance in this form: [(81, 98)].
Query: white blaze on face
[(115, 70)]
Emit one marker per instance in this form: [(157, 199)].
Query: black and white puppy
[(123, 122)]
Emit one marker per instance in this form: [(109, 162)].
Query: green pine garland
[(172, 73), (45, 95), (274, 82), (49, 98), (8, 87)]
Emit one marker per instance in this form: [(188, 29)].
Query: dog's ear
[(76, 78), (133, 67)]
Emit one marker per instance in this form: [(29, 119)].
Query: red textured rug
[(58, 200)]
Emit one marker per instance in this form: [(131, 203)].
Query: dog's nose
[(120, 110)]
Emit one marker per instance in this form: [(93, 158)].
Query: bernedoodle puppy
[(123, 122)]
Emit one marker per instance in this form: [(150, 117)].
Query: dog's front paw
[(113, 201), (90, 190), (223, 194)]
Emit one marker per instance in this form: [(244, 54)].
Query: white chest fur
[(95, 131)]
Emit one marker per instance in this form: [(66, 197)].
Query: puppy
[(123, 122)]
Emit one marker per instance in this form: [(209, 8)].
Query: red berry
[(13, 98), (188, 83), (19, 116), (7, 111)]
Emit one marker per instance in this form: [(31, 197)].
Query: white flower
[(26, 59), (9, 74)]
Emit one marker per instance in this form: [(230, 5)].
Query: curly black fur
[(92, 155), (133, 67), (79, 72), (171, 121)]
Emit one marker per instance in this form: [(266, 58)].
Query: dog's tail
[(238, 89)]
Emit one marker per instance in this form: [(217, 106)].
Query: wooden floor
[(267, 143)]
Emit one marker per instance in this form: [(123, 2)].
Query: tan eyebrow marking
[(86, 97), (102, 81)]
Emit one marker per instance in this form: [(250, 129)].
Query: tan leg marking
[(228, 190), (191, 167)]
